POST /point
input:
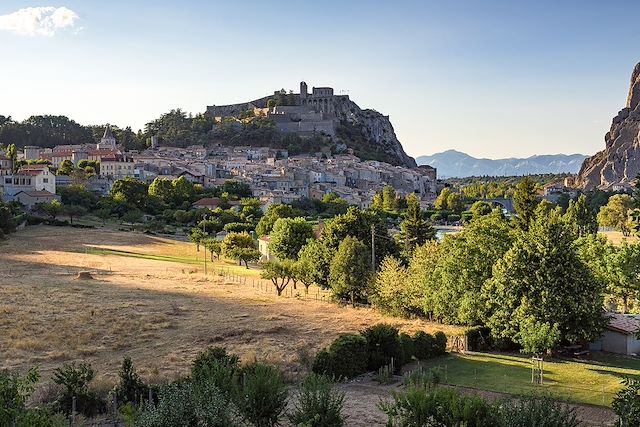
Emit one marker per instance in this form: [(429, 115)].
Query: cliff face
[(619, 162), (376, 129), (372, 136)]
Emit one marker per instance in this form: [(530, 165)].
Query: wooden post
[(73, 411)]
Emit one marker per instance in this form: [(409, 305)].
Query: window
[(45, 180)]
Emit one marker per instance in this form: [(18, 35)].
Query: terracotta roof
[(626, 324), (265, 238), (207, 201)]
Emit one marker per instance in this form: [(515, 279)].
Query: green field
[(594, 382), (220, 265)]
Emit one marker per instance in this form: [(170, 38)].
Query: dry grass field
[(153, 304)]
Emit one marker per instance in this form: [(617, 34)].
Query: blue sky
[(491, 78)]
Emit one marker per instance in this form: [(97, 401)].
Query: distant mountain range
[(454, 164)]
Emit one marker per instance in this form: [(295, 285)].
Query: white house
[(263, 248), (620, 335), (28, 178)]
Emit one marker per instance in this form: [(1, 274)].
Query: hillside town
[(273, 175)]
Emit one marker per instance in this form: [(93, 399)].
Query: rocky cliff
[(377, 131), (369, 133), (619, 162)]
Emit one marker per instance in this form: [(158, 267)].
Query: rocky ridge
[(619, 162)]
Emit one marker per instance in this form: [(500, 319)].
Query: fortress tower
[(303, 90)]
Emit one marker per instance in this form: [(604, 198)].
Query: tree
[(214, 246), (288, 236), (65, 167), (414, 229), (52, 209), (389, 285), (480, 208), (350, 269), (357, 223), (250, 210), (73, 211), (163, 190), (279, 272), (579, 214), (525, 203), (316, 259), (626, 404), (196, 235), (623, 266), (389, 202), (441, 202), (541, 282), (77, 195), (465, 262), (616, 213), (12, 155), (132, 191), (273, 213), (241, 247)]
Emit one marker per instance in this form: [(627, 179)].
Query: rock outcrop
[(619, 162), (370, 134)]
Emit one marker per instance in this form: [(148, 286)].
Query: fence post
[(114, 405), (73, 411)]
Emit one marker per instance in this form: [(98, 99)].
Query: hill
[(452, 163)]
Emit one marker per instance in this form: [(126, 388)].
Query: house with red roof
[(620, 335)]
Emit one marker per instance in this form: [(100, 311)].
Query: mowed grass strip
[(594, 382), (216, 265)]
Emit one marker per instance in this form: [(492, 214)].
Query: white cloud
[(42, 21)]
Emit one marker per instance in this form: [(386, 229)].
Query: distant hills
[(455, 164)]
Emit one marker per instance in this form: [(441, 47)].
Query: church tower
[(108, 141)]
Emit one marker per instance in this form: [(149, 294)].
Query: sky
[(491, 78)]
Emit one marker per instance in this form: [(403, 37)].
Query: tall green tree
[(541, 283), (288, 236), (389, 201), (480, 208), (623, 265), (350, 270), (525, 203), (615, 213), (579, 214), (414, 229), (134, 192), (273, 213), (316, 258), (280, 273), (465, 262), (241, 247), (358, 223)]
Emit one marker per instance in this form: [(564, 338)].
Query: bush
[(479, 338), (261, 395), (626, 404), (75, 379), (346, 357), (131, 387), (537, 411), (214, 367), (319, 404), (423, 406), (407, 346), (383, 345), (453, 218), (439, 344), (175, 408), (423, 345), (421, 378)]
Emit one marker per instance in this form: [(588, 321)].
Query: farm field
[(150, 300)]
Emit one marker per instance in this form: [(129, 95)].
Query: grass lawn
[(594, 382)]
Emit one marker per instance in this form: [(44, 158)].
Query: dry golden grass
[(616, 237), (160, 313)]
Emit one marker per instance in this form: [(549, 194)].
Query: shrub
[(319, 404), (423, 406), (626, 404), (479, 338), (439, 344), (75, 379), (131, 386), (421, 378), (453, 218), (383, 345), (214, 366), (346, 357), (321, 362), (212, 405), (422, 345), (175, 408), (537, 411), (261, 395), (14, 391), (407, 346)]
